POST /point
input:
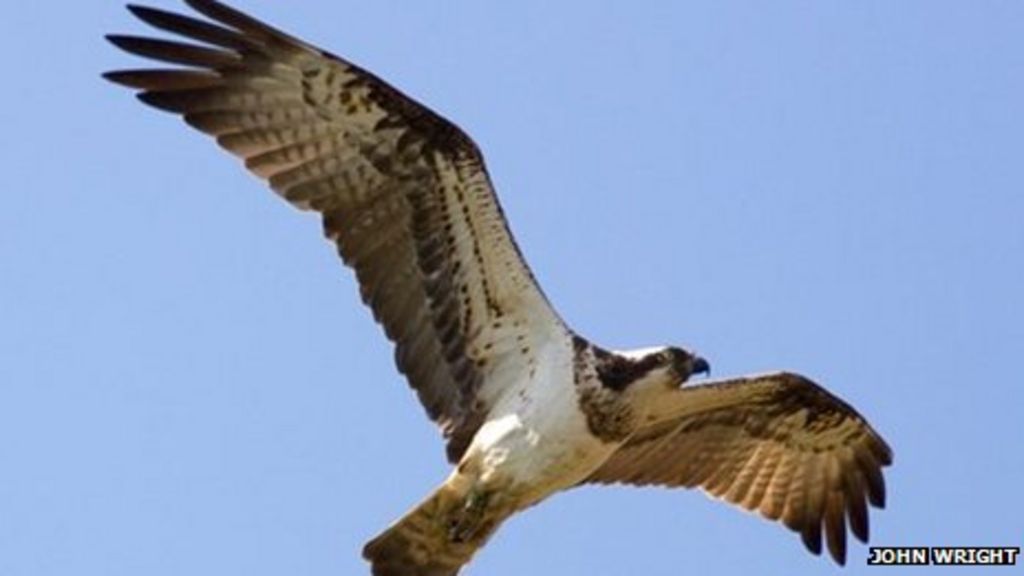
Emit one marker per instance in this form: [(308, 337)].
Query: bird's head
[(670, 364)]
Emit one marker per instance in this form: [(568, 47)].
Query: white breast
[(537, 439)]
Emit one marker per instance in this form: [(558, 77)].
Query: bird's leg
[(467, 521)]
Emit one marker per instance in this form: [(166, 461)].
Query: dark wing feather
[(776, 444), (403, 193)]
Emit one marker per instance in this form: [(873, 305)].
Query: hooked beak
[(700, 366)]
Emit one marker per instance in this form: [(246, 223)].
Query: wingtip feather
[(161, 101), (164, 80), (811, 536), (115, 77), (835, 527)]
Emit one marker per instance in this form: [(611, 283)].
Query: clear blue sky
[(189, 385)]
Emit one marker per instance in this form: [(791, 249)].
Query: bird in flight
[(528, 407)]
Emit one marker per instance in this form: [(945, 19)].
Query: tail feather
[(419, 544)]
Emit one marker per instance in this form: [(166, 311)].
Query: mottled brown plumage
[(402, 192), (777, 444), (528, 407)]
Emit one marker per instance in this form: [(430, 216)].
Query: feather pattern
[(777, 444), (403, 193)]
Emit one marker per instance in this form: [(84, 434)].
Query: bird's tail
[(426, 542)]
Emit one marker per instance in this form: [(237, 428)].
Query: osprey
[(527, 406)]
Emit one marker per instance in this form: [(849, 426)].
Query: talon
[(455, 531), (466, 521)]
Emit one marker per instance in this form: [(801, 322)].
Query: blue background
[(188, 384)]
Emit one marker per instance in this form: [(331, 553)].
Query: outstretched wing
[(777, 444), (403, 193)]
